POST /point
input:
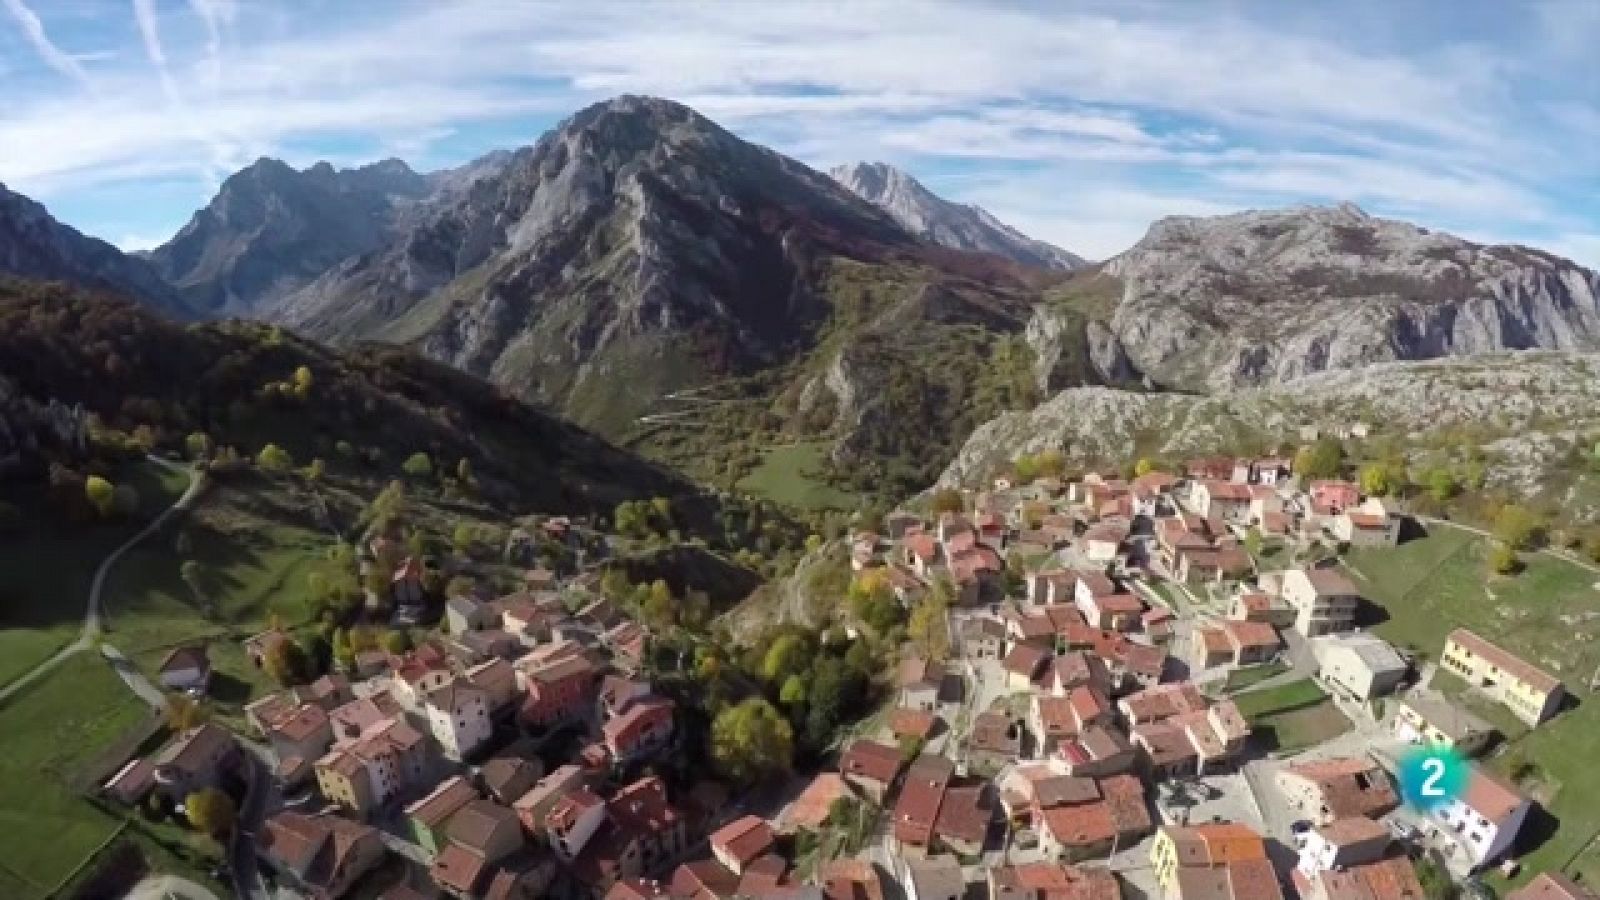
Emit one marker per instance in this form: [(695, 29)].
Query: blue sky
[(1079, 123)]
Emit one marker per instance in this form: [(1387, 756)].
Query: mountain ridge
[(960, 226), (271, 229), (1260, 297), (34, 244), (638, 249)]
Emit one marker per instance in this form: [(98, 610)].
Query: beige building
[(1324, 600), (1358, 664), (1531, 693), (1428, 717), (1369, 525)]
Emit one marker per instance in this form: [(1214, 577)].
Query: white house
[(1324, 600), (458, 716), (936, 877), (572, 821), (1485, 820), (1221, 499), (1342, 843), (1360, 665), (1369, 525)]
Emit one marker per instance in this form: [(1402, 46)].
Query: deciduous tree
[(274, 459), (947, 500), (285, 661), (1516, 526), (788, 655), (101, 494), (210, 811), (751, 741), (1323, 459), (417, 465)]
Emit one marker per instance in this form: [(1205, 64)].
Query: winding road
[(92, 626)]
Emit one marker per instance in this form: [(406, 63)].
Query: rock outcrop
[(1266, 297), (1528, 409)]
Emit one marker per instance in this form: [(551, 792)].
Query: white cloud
[(1096, 222), (55, 57), (139, 243), (1580, 247), (1182, 105)]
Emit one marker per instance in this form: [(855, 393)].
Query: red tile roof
[(744, 839), (1524, 671), (912, 722), (964, 815), (871, 760), (920, 795), (811, 809)]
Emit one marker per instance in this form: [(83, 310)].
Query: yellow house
[(1226, 847), (342, 777), (1428, 717), (1531, 693)]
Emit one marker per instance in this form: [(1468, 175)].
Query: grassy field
[(256, 557), (49, 566), (789, 475), (1239, 679), (1296, 694), (47, 734), (1293, 730), (1550, 615)]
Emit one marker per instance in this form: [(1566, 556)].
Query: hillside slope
[(366, 409), (1530, 417)]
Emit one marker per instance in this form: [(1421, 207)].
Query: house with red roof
[(917, 809), (1330, 497), (643, 728), (559, 690), (741, 842), (871, 767)]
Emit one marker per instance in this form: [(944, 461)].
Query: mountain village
[(662, 618), (1126, 701)]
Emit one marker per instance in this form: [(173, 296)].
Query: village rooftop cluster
[(1079, 737)]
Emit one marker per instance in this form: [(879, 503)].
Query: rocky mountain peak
[(959, 226), (270, 229)]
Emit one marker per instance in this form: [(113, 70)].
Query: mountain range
[(648, 274)]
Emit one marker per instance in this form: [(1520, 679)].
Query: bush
[(1503, 560), (417, 465), (101, 494), (274, 459)]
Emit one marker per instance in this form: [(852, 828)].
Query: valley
[(643, 493)]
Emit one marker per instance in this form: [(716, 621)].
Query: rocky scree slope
[(1527, 410), (1264, 297), (955, 225), (33, 244)]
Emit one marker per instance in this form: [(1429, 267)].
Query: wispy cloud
[(1092, 115), (33, 29)]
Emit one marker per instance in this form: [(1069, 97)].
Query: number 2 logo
[(1435, 769)]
